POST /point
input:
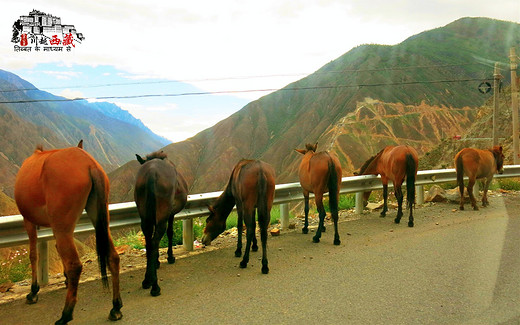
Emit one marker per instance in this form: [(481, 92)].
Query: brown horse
[(320, 173), (476, 164), (250, 187), (160, 193), (52, 188), (394, 163)]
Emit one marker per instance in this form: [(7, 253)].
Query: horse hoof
[(337, 241), (461, 208), (410, 224), (397, 220), (305, 230), (115, 315), (31, 298), (64, 319), (315, 239), (382, 215), (146, 284), (238, 253), (265, 269), (171, 260), (254, 248), (475, 208), (155, 291), (243, 265)]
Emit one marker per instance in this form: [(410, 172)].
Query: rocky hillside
[(329, 106), (479, 135)]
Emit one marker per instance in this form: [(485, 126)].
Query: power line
[(240, 91), (244, 77)]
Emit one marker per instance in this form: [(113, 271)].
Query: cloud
[(68, 93)]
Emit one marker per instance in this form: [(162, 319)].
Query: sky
[(228, 46)]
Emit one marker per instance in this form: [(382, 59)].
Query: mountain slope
[(110, 140), (422, 71)]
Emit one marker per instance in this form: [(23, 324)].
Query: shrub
[(16, 267)]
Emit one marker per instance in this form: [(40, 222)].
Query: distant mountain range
[(419, 92), (27, 119)]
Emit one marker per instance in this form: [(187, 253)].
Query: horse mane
[(310, 147), (157, 155), (369, 161)]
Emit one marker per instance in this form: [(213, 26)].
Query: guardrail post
[(419, 194), (284, 215), (359, 203), (187, 234), (43, 261)]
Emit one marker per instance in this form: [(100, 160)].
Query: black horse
[(160, 193)]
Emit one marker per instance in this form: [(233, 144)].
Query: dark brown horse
[(250, 187), (476, 164), (394, 163), (160, 193), (320, 173), (52, 188)]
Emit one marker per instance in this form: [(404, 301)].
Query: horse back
[(314, 171), (475, 162), (56, 182), (393, 161), (169, 185), (252, 179)]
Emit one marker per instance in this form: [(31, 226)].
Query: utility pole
[(514, 103), (496, 89)]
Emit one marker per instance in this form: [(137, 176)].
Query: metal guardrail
[(122, 215)]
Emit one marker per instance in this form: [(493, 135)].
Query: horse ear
[(139, 159), (80, 144), (356, 174), (302, 151), (210, 208), (500, 149), (316, 146)]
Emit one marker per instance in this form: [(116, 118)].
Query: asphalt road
[(459, 267)]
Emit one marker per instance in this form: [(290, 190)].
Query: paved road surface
[(458, 267)]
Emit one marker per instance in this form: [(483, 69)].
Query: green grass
[(275, 217), (346, 202), (135, 239), (16, 267)]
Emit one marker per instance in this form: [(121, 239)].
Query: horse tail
[(100, 190), (151, 202), (459, 167), (332, 184), (262, 194), (410, 180)]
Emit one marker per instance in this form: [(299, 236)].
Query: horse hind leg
[(32, 297), (399, 197), (385, 200), (160, 229), (69, 255), (471, 184), (169, 233), (113, 266), (240, 229), (485, 201), (250, 233), (263, 236), (322, 213), (254, 248), (305, 229)]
